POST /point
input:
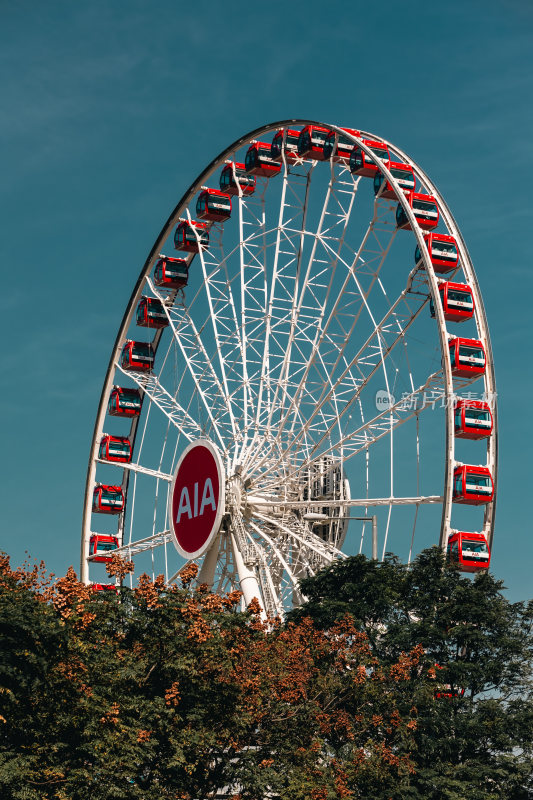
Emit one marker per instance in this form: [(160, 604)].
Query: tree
[(477, 744), (32, 645), (170, 692)]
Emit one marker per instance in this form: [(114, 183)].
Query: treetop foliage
[(388, 683), (477, 741), (172, 692)]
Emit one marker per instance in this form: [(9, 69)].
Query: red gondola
[(425, 209), (258, 161), (171, 273), (472, 419), (191, 236), (468, 357), (290, 148), (361, 164), (137, 356), (457, 301), (472, 485), (311, 142), (442, 252), (104, 587), (230, 182), (404, 175), (108, 499), (101, 547), (344, 147), (115, 448), (124, 402), (213, 205), (469, 551), (151, 313)]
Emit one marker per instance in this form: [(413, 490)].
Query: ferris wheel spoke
[(137, 546), (214, 396), (324, 321), (371, 356), (224, 327), (216, 322), (174, 577), (343, 200), (347, 396), (265, 325), (319, 276), (352, 308), (253, 282), (207, 385), (283, 285), (270, 542), (304, 535), (290, 318), (160, 397), (343, 504), (231, 345), (255, 245), (140, 470), (364, 436), (289, 588), (349, 303)]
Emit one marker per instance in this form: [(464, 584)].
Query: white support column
[(207, 571), (247, 579)]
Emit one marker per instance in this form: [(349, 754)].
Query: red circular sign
[(196, 501)]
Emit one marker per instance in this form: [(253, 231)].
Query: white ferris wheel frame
[(160, 397)]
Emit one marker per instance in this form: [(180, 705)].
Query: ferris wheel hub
[(236, 493)]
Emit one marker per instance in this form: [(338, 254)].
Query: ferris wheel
[(304, 368)]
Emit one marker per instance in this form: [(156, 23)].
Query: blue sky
[(110, 110)]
